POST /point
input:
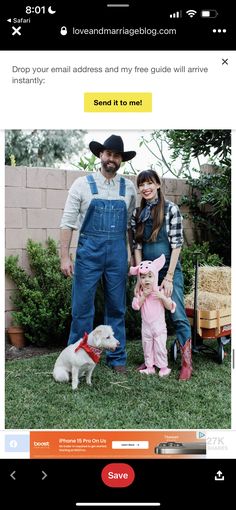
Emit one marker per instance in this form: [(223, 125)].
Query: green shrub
[(210, 208), (188, 259), (42, 299)]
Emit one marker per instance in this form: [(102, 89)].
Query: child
[(152, 303)]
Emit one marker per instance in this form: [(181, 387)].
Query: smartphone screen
[(117, 132)]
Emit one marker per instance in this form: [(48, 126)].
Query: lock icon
[(63, 30)]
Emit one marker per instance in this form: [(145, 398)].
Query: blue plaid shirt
[(174, 226)]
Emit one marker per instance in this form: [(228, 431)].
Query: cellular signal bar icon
[(177, 14)]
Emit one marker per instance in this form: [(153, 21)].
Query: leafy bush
[(42, 299), (210, 207), (188, 258), (42, 147), (214, 144)]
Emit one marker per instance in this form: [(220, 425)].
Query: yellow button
[(131, 102)]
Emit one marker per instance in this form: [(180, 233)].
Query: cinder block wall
[(34, 202)]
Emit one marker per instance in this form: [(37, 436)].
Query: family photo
[(118, 279)]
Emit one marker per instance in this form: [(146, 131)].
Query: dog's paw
[(74, 385)]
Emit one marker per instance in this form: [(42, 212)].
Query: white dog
[(80, 359)]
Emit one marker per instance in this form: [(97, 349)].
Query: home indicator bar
[(118, 504)]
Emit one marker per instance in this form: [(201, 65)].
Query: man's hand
[(67, 266)]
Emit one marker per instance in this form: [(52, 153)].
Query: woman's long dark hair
[(157, 211)]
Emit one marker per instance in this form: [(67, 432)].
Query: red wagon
[(212, 324), (206, 325)]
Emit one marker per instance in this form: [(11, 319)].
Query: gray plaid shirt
[(174, 225)]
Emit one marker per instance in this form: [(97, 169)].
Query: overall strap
[(122, 187), (92, 184), (166, 207)]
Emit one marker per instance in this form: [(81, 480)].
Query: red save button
[(118, 475)]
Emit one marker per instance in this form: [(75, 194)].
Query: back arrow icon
[(44, 475), (12, 475)]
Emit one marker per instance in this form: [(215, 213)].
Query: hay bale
[(208, 301), (215, 279)]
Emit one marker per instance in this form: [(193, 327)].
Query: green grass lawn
[(35, 401)]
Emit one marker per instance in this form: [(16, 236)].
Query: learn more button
[(105, 102), (130, 445)]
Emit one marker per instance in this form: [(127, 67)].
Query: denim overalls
[(102, 252), (151, 251)]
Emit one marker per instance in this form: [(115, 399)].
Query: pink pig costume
[(154, 331)]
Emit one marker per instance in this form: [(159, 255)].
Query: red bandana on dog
[(93, 352)]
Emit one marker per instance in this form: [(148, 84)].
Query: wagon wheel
[(221, 352), (174, 351)]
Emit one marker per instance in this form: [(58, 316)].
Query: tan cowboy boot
[(186, 355)]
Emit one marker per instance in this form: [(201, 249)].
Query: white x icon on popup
[(16, 30)]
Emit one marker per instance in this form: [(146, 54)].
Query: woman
[(157, 228)]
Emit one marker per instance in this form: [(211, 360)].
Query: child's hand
[(147, 291), (137, 288), (167, 301)]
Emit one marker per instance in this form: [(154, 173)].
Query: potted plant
[(16, 336)]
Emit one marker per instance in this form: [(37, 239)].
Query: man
[(102, 205)]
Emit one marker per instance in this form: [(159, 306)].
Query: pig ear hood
[(159, 263), (144, 267), (134, 270), (148, 265)]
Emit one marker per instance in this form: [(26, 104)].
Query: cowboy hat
[(115, 144)]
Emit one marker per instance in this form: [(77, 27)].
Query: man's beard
[(110, 168)]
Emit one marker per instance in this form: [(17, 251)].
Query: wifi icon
[(191, 13)]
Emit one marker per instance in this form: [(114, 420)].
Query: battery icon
[(211, 13)]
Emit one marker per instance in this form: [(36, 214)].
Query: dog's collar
[(93, 352)]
